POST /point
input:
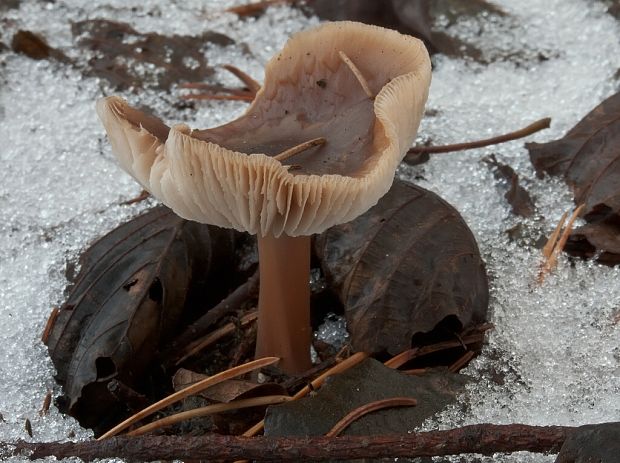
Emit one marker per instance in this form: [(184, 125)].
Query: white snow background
[(556, 345)]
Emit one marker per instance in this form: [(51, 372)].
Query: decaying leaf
[(403, 267), (226, 391), (588, 158), (516, 195), (599, 239), (132, 289), (35, 46), (127, 58), (413, 17), (364, 383)]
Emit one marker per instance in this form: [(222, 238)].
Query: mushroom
[(318, 146)]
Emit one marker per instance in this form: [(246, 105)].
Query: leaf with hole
[(129, 296), (402, 268)]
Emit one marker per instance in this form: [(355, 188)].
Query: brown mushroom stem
[(284, 301)]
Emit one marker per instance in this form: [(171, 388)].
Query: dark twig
[(473, 336), (137, 199), (365, 409), (485, 439), (524, 132), (200, 327), (462, 361), (219, 92), (251, 9), (303, 379)]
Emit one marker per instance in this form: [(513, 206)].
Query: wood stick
[(231, 303), (212, 338), (550, 244), (365, 409), (190, 390), (252, 85), (210, 410), (299, 148), (524, 132), (485, 439), (357, 73)]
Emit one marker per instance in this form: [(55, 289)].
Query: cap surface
[(228, 175)]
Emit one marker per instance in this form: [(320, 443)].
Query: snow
[(556, 345)]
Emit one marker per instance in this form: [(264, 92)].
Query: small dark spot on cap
[(321, 83)]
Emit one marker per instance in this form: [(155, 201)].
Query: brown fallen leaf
[(128, 58), (517, 196), (35, 46), (588, 158), (599, 239), (228, 390), (134, 285), (413, 17), (402, 268)]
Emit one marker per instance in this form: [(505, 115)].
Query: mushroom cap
[(228, 176)]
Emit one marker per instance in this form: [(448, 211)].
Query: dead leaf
[(413, 17), (226, 391), (127, 58), (132, 289), (588, 158), (517, 196), (364, 383), (35, 46), (599, 239), (403, 267)]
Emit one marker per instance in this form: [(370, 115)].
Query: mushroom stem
[(284, 301), (357, 73)]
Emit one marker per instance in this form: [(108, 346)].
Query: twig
[(200, 327), (243, 348), (210, 410), (369, 408), (524, 132), (462, 361), (47, 401), (557, 245), (553, 239), (138, 199), (49, 324), (357, 73), (211, 91), (284, 155), (214, 337), (230, 96), (399, 360), (296, 381), (191, 390), (255, 8), (485, 439), (252, 85)]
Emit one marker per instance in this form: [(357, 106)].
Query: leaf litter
[(578, 297)]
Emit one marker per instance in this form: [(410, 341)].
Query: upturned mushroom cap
[(228, 176)]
